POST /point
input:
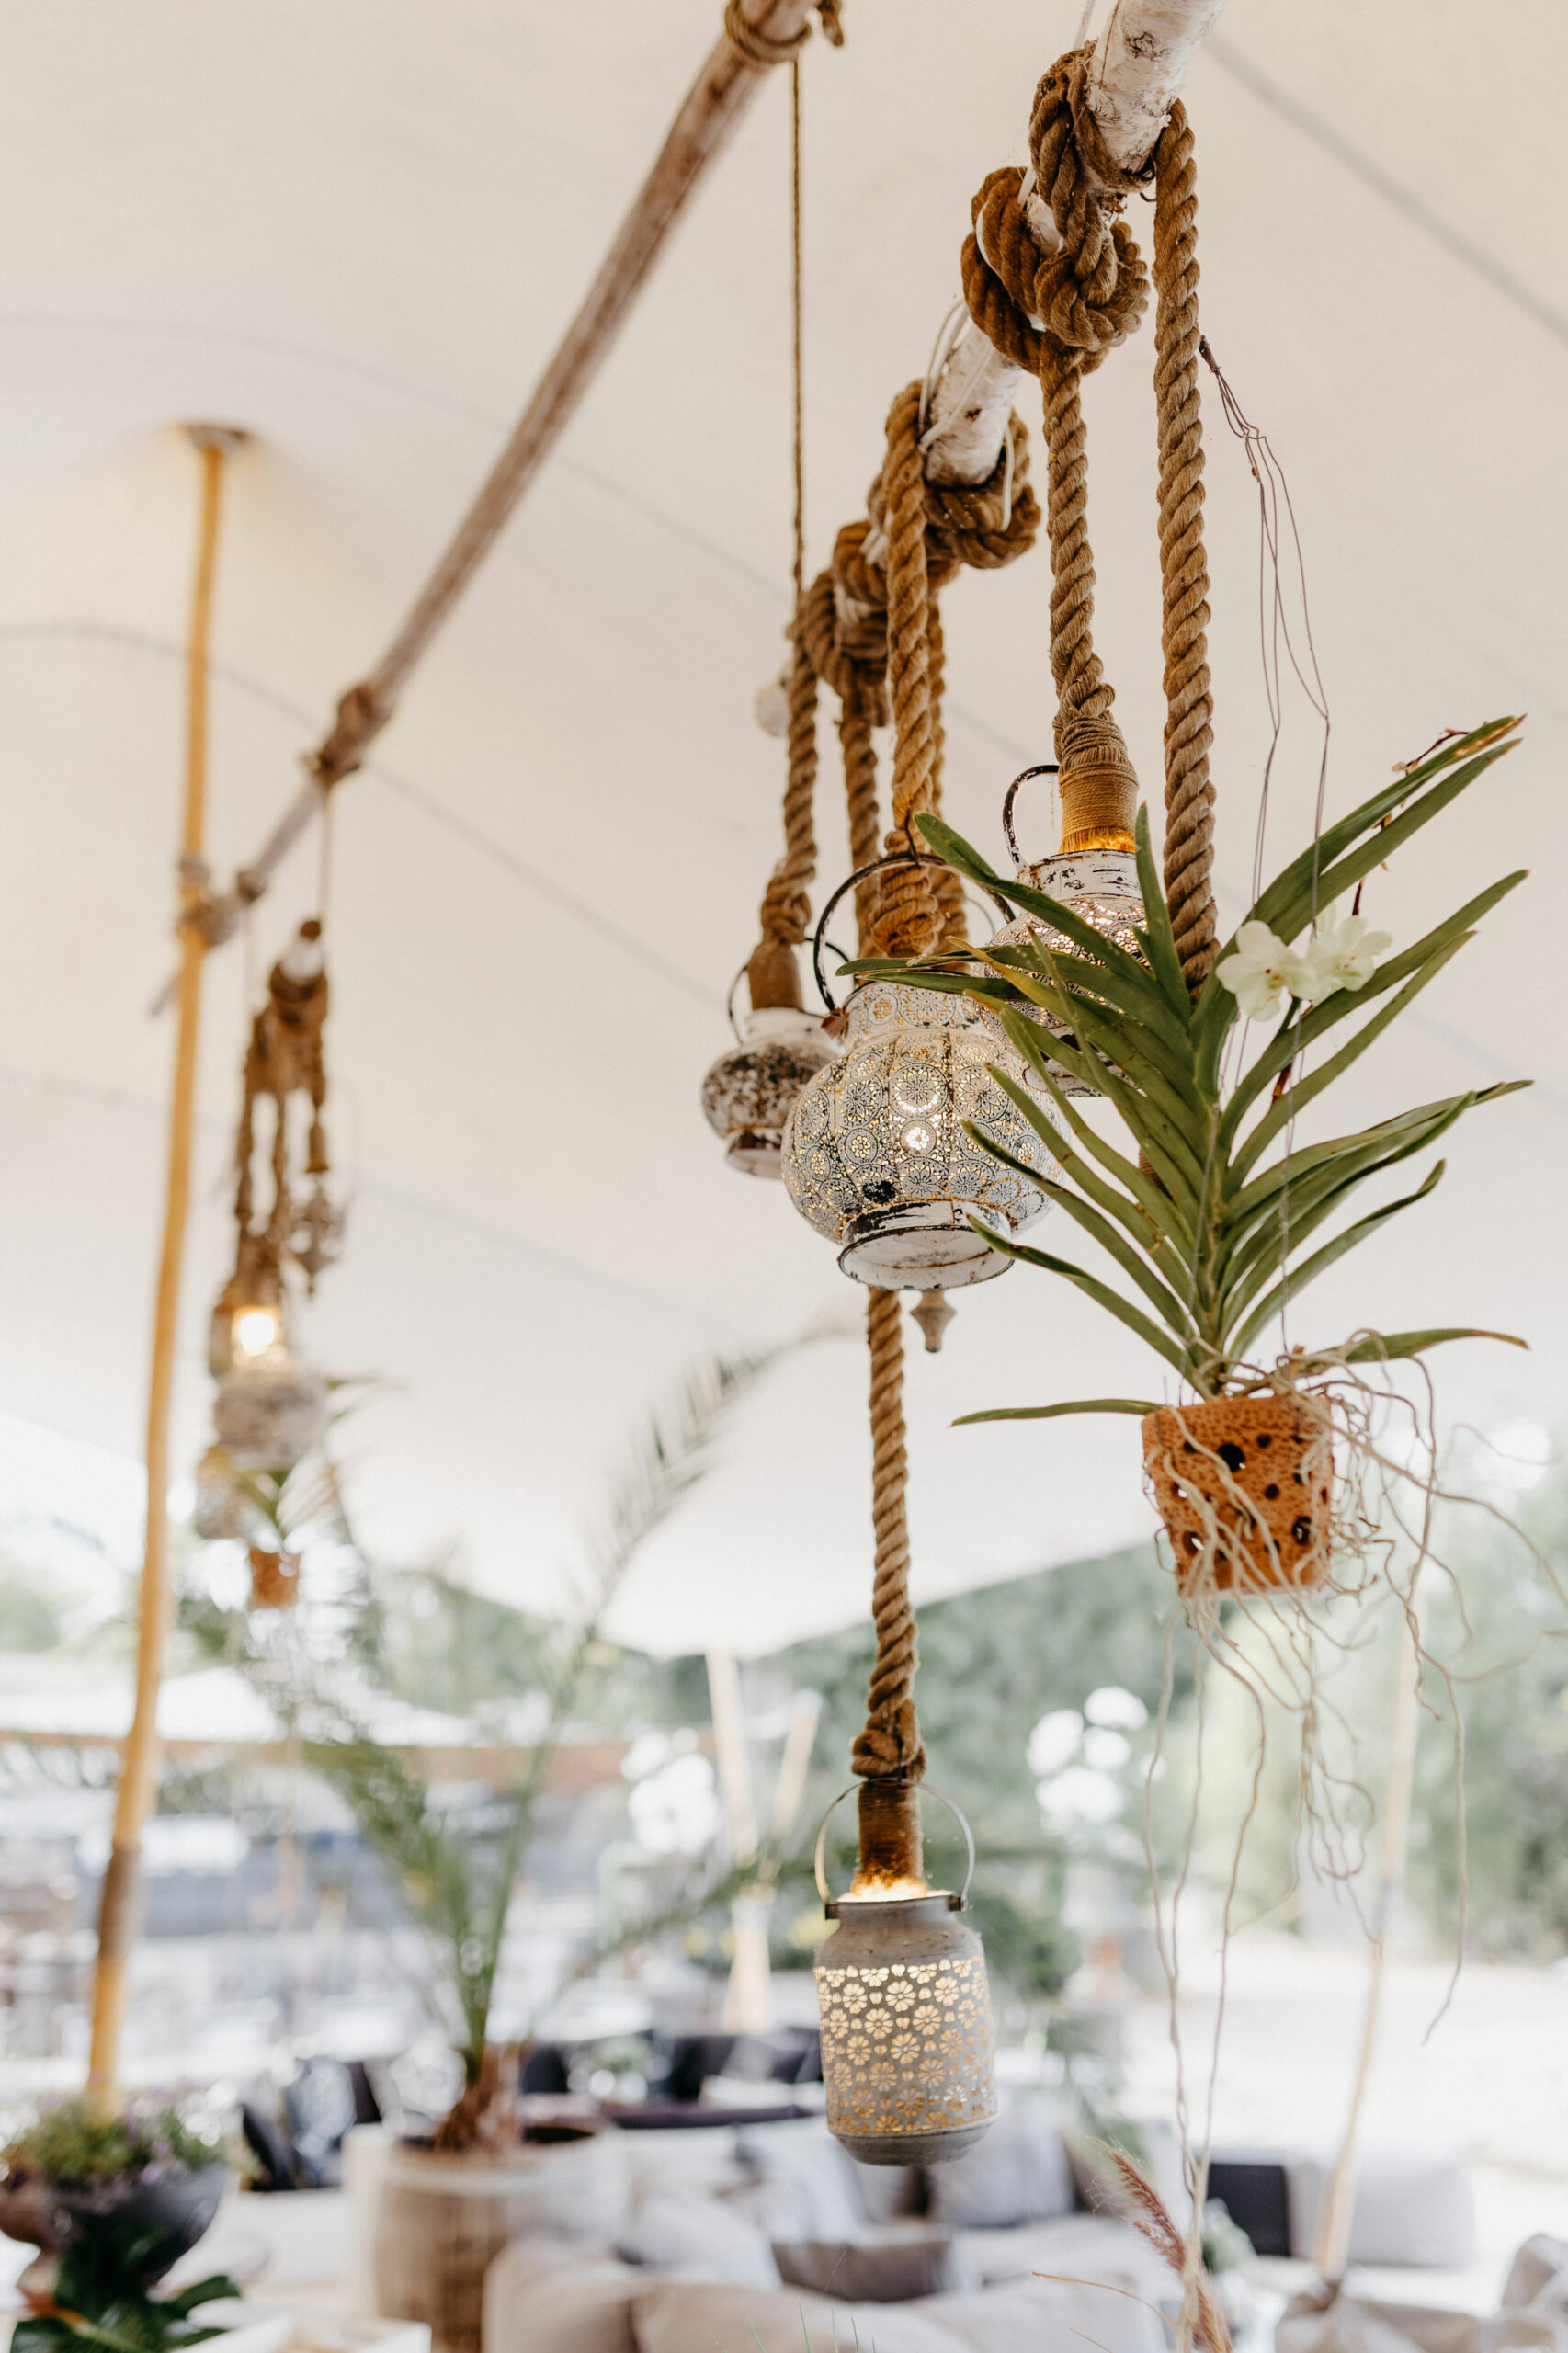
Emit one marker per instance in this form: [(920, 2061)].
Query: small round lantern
[(749, 1093), (908, 2053), (876, 1155), (1096, 874), (270, 1409)]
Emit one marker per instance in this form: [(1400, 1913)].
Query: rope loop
[(761, 49)]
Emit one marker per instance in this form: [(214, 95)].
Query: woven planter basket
[(1273, 1506)]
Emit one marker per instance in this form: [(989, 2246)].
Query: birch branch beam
[(1140, 62)]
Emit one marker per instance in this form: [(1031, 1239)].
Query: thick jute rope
[(1184, 563), (1059, 315)]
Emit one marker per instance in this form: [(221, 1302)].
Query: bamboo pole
[(117, 1905)]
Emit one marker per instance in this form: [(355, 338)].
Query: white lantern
[(876, 1155), (877, 1152), (1100, 883), (908, 2048), (749, 1093)]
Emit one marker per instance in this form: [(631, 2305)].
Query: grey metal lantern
[(1098, 881), (269, 1416), (908, 2048), (749, 1093), (877, 1153)]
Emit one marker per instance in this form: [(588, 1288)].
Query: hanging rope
[(773, 975), (1184, 562), (1058, 315)]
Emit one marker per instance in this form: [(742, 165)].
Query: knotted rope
[(1058, 314), (761, 49)]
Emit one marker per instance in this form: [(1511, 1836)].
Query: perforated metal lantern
[(272, 1408), (749, 1093), (877, 1153), (908, 2048), (1100, 884)]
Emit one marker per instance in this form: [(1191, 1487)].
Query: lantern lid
[(919, 1245)]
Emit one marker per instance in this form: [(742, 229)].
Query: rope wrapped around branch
[(1058, 315)]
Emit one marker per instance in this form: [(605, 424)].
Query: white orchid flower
[(1264, 974), (1342, 955)]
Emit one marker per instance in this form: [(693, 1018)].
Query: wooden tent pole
[(138, 1780)]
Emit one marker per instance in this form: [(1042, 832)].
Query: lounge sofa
[(761, 2237)]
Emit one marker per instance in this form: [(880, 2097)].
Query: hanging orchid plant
[(1210, 1213)]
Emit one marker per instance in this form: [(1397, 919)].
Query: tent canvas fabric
[(359, 236)]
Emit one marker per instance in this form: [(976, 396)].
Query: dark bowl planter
[(144, 2224)]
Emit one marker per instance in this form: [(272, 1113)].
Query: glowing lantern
[(908, 2055), (876, 1152)]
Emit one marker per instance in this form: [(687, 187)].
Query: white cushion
[(559, 2296), (679, 2317), (1412, 2206), (808, 2183), (703, 2157), (1091, 2248), (1539, 2273), (1040, 2314), (705, 2235), (1019, 2173)]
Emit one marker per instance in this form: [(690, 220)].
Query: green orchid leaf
[(1320, 1260), (1342, 1154), (1334, 879), (1142, 1406), (1270, 1248), (1163, 1210), (1169, 1093), (1163, 1240), (1161, 1298), (1093, 944), (1375, 1347), (1157, 937), (1101, 1293)]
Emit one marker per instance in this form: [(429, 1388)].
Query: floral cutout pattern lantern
[(908, 2047), (877, 1153)]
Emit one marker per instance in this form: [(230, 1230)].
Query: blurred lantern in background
[(271, 1406)]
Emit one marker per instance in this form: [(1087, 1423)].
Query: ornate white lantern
[(749, 1093), (876, 1152), (1099, 882), (908, 2053)]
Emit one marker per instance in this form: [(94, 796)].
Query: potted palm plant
[(1213, 1212)]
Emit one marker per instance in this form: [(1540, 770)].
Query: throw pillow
[(559, 2297), (679, 2317), (810, 2185), (1018, 2173), (872, 2272), (702, 2234)]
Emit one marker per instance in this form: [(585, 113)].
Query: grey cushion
[(706, 2235), (1019, 2173), (879, 2271), (1076, 2248), (808, 2184)]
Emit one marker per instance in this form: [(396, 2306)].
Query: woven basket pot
[(1271, 1500)]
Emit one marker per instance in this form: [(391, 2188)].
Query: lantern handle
[(734, 986), (894, 857), (1044, 768), (819, 1864)]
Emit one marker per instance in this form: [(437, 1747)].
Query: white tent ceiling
[(359, 232)]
